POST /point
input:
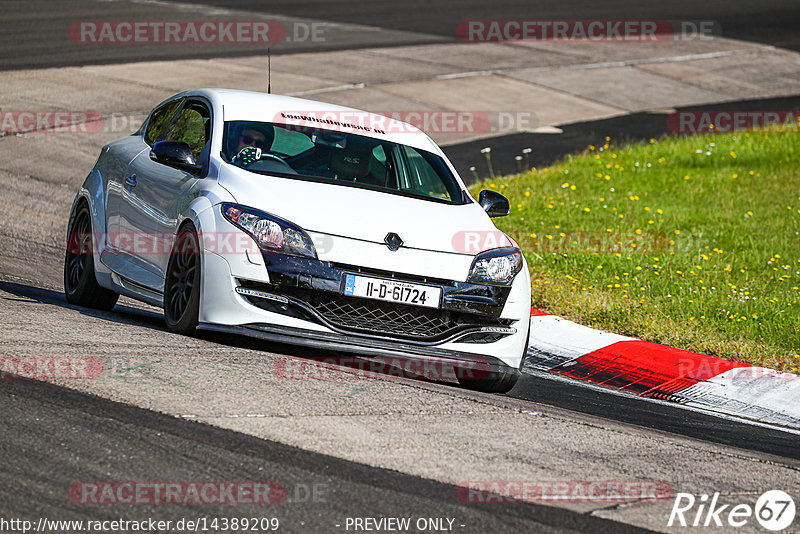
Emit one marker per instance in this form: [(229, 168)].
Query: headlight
[(497, 266), (271, 233)]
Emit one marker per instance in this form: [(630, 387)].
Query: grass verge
[(692, 242)]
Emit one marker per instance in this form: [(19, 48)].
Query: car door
[(114, 165), (159, 192), (122, 255)]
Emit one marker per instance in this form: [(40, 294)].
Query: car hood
[(364, 214)]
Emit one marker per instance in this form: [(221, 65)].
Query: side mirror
[(495, 204), (175, 154)]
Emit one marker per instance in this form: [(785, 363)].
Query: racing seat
[(352, 163)]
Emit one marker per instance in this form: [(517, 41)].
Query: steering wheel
[(274, 156), (272, 163)]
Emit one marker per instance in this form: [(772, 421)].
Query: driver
[(251, 139)]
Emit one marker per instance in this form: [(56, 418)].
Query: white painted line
[(545, 130), (762, 393), (329, 89), (608, 64)]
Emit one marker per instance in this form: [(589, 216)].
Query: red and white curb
[(656, 371)]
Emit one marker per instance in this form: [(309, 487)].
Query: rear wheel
[(80, 284), (182, 283)]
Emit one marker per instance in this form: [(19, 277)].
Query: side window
[(159, 121), (192, 126)]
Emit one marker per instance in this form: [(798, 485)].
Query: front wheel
[(497, 381), (80, 284), (182, 283), (494, 382)]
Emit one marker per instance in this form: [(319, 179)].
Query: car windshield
[(315, 154)]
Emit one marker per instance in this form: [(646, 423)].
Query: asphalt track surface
[(534, 390), (89, 438), (34, 33), (55, 437), (770, 21)]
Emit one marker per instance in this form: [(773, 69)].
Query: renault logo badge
[(393, 241)]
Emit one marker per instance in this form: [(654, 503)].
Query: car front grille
[(361, 314), (374, 317)]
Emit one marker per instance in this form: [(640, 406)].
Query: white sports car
[(302, 222)]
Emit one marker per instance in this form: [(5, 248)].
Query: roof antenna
[(269, 73)]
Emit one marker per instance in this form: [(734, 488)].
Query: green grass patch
[(692, 242)]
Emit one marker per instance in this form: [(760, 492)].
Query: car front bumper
[(289, 299), (436, 362)]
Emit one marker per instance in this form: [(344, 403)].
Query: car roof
[(262, 107)]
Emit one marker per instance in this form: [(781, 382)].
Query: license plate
[(392, 291)]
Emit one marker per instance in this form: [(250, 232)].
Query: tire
[(494, 382), (497, 381), (182, 283), (80, 284)]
